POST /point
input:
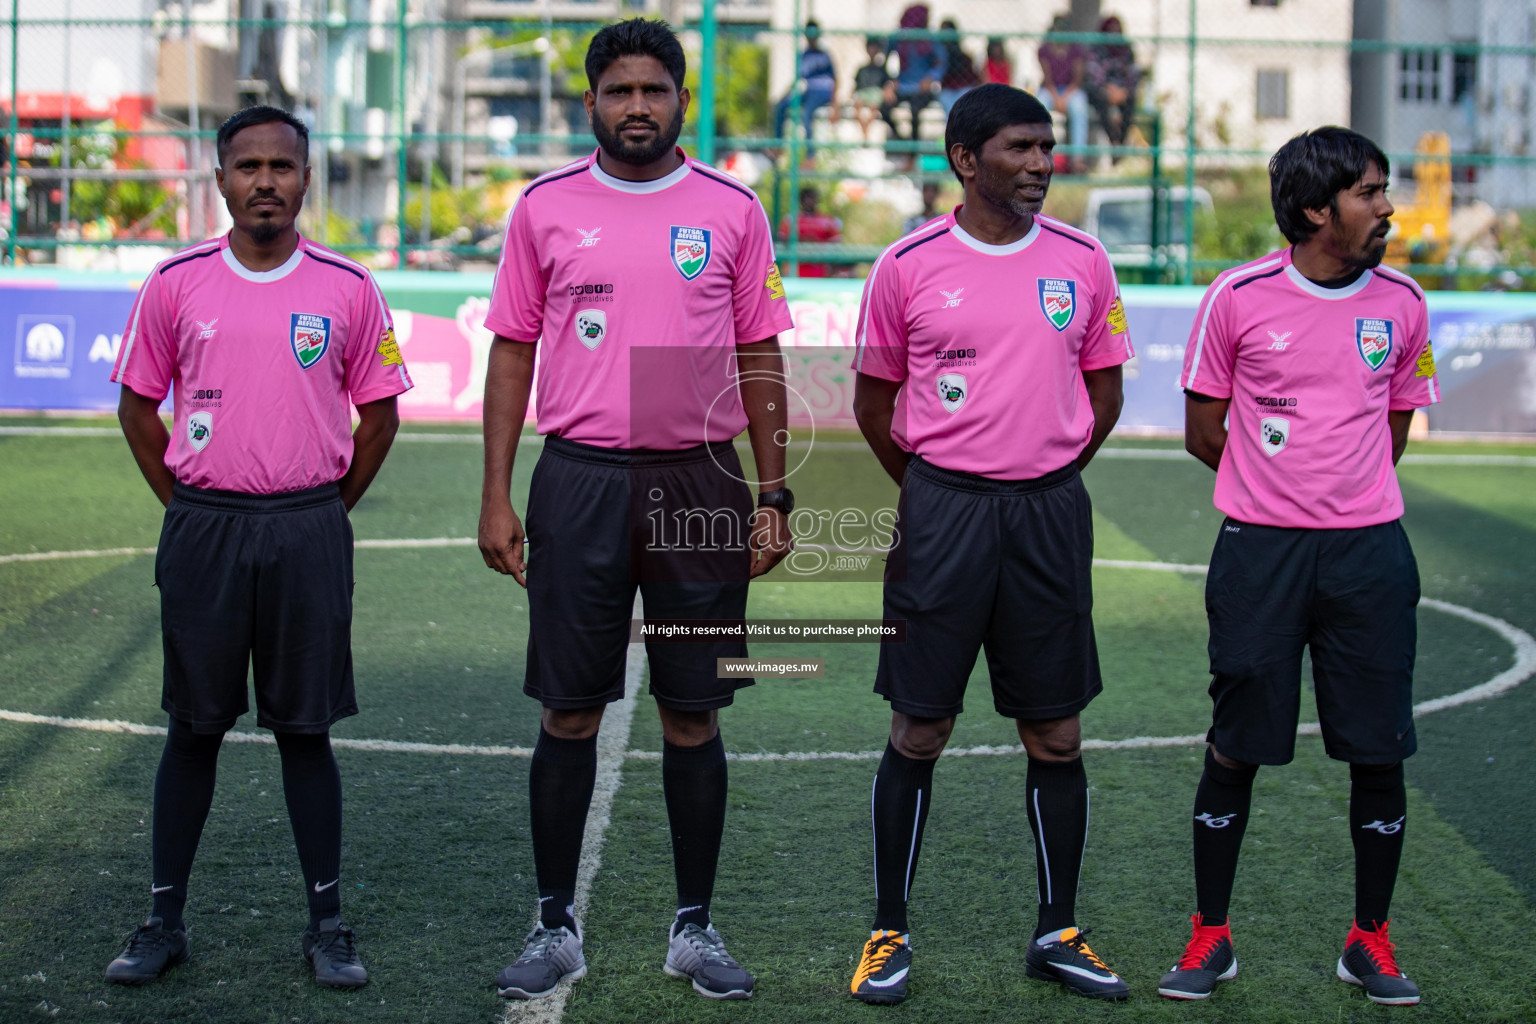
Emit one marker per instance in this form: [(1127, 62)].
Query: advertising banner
[(60, 334)]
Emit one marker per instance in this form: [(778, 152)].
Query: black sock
[(898, 807), (1221, 816), (1057, 793), (560, 782), (694, 780), (1378, 818), (312, 787), (183, 794)]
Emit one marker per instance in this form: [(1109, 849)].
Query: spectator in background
[(874, 90), (928, 212), (920, 65), (959, 71), (999, 67), (1063, 67), (814, 226), (1112, 77), (819, 80)]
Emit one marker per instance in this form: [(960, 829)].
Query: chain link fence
[(427, 116)]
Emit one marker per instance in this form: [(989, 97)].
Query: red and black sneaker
[(1369, 963), (1207, 959)]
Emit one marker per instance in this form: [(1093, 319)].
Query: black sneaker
[(151, 951), (1207, 959), (1368, 961), (1070, 961), (883, 967), (699, 955), (330, 949), (550, 955)]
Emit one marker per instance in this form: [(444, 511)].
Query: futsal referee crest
[(310, 335), (1373, 337), (1058, 300), (690, 250)]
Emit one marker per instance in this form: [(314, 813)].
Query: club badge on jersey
[(591, 327), (952, 391), (690, 251), (1373, 339), (199, 430), (1274, 432), (310, 335), (1058, 300)]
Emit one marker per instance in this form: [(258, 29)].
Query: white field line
[(612, 743), (1153, 454), (1523, 643)]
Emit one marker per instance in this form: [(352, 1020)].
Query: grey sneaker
[(699, 954), (150, 952), (332, 952), (549, 958)]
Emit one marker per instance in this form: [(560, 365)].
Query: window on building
[(1463, 76), (1273, 90), (1419, 76)]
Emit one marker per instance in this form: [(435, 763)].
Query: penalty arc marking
[(1521, 642)]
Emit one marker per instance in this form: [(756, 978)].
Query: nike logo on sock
[(683, 910), (327, 885), (157, 889)]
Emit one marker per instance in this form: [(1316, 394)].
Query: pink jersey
[(640, 292), (263, 364), (1311, 373), (991, 342)]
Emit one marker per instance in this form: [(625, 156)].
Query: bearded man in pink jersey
[(1301, 376), (268, 340), (989, 372), (647, 281)]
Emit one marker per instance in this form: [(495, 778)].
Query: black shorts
[(1004, 565), (602, 521), (261, 582), (1351, 596)]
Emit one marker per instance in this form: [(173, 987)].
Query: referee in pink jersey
[(989, 372), (1301, 375), (267, 341), (648, 282)]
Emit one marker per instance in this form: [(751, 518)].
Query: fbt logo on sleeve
[(44, 345), (310, 335)]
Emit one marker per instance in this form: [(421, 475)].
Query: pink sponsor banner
[(447, 356)]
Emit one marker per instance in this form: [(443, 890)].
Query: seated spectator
[(920, 64), (929, 212), (814, 226), (959, 72), (1063, 67), (816, 80), (1112, 79), (874, 90), (999, 67)]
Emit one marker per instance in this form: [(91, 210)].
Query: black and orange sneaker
[(1369, 963), (1207, 959), (1068, 959), (882, 973)]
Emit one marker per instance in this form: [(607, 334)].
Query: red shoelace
[(1201, 946)]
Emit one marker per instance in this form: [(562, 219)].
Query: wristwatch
[(782, 499)]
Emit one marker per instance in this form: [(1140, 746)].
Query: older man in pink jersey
[(989, 372), (268, 340), (1302, 375), (648, 282)]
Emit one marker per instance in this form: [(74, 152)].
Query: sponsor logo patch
[(1426, 362), (1058, 300), (199, 430), (389, 350), (591, 327), (952, 391), (1274, 432), (774, 283), (310, 335), (1116, 317), (690, 250), (1373, 339)]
